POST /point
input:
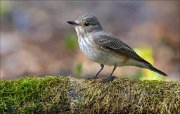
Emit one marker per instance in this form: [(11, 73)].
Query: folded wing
[(114, 44)]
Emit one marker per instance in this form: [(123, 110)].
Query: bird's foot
[(109, 79), (92, 78)]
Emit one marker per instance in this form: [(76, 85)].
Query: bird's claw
[(92, 78), (109, 79)]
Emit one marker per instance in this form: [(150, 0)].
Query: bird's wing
[(114, 44)]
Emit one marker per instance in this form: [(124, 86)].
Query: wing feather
[(116, 45)]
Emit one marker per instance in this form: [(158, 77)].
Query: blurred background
[(36, 40)]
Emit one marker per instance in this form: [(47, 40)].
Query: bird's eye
[(86, 24)]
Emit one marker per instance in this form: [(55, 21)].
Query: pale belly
[(100, 55)]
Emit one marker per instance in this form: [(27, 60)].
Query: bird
[(105, 48)]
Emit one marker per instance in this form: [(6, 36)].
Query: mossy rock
[(58, 94), (25, 95)]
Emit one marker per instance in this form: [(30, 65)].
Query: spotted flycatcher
[(105, 48)]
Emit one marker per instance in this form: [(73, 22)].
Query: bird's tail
[(150, 67)]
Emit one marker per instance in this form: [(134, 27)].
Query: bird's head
[(86, 24)]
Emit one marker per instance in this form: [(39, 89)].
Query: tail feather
[(150, 67)]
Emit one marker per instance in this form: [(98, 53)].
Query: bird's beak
[(73, 23)]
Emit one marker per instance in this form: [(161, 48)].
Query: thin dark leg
[(102, 66), (113, 70), (110, 78)]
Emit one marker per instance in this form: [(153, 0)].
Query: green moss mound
[(40, 95), (58, 94), (131, 96)]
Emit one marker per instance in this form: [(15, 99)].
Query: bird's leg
[(110, 78), (113, 70), (102, 66)]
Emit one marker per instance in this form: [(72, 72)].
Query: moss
[(131, 96), (27, 95), (53, 94)]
